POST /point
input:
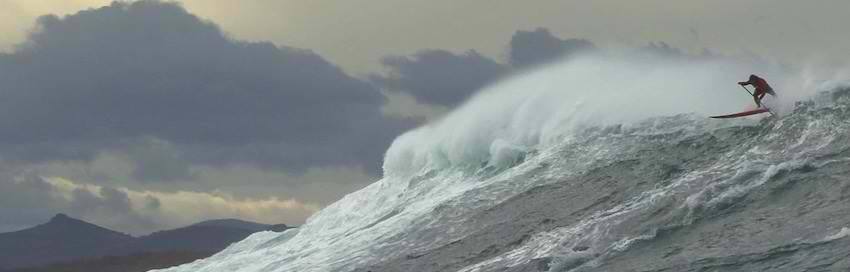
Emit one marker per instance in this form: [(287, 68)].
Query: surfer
[(762, 88)]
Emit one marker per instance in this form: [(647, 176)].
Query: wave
[(619, 142)]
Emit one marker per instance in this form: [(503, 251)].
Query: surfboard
[(742, 114)]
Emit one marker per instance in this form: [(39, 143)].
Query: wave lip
[(541, 107)]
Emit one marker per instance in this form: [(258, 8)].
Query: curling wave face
[(594, 164)]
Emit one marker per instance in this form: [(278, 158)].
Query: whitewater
[(603, 162)]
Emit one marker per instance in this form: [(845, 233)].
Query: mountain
[(62, 238), (68, 240), (207, 236), (596, 164)]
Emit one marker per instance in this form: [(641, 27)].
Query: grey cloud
[(115, 200), (110, 207), (25, 201), (439, 77), (152, 203), (25, 192), (147, 69), (157, 161), (83, 201), (529, 48), (28, 199)]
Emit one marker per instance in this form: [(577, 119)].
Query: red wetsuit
[(762, 88)]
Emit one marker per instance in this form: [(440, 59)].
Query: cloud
[(442, 79), (141, 116), (157, 160), (150, 74), (529, 48), (439, 77), (25, 200), (321, 185)]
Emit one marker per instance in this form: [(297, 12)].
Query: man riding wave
[(762, 88)]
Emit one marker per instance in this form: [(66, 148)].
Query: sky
[(356, 34), (147, 115)]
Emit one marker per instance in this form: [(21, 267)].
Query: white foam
[(844, 232)]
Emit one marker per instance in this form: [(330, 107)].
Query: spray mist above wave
[(518, 114)]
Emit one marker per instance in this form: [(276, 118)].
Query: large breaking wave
[(570, 167)]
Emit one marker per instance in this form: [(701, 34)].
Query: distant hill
[(61, 239), (68, 240)]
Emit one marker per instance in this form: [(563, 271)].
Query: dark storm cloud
[(529, 48), (439, 77), (147, 69)]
